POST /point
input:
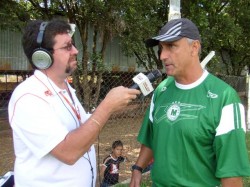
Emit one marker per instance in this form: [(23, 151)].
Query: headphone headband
[(39, 39), (41, 58)]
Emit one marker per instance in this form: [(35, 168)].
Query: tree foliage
[(223, 24), (224, 27), (12, 15), (102, 18)]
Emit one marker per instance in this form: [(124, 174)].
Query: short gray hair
[(190, 41)]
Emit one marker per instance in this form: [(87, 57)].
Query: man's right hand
[(119, 97)]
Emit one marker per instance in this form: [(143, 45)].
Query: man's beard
[(69, 70)]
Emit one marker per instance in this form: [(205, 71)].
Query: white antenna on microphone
[(174, 10), (207, 59)]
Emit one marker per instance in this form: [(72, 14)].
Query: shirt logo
[(114, 169), (177, 111), (173, 112), (211, 95), (163, 89), (48, 93)]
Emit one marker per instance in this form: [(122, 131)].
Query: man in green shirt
[(195, 126)]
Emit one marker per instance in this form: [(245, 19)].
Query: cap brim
[(153, 42)]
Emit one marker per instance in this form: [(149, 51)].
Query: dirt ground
[(6, 148), (125, 129)]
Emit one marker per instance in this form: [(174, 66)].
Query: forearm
[(232, 182), (102, 169), (145, 156), (78, 141)]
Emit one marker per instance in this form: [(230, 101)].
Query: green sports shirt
[(196, 132)]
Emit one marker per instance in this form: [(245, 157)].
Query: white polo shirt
[(41, 117)]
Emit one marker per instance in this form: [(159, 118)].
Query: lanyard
[(49, 93), (71, 106)]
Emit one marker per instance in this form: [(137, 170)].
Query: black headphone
[(41, 58)]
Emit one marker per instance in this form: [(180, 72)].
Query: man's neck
[(58, 80)]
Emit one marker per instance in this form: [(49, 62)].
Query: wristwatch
[(135, 167)]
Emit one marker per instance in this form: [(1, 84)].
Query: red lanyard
[(49, 93), (72, 107)]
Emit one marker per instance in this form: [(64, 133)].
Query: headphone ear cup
[(42, 59)]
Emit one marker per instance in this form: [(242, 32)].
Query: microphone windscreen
[(155, 74), (143, 82)]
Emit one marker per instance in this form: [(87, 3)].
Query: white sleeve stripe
[(236, 116), (151, 109), (232, 117)]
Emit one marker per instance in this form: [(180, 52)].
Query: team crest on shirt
[(173, 112), (177, 111)]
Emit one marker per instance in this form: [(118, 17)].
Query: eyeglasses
[(68, 47)]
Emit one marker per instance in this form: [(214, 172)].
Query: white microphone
[(143, 82)]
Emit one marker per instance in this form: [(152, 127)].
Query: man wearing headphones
[(52, 133)]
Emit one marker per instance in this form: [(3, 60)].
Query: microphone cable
[(88, 159), (61, 100), (91, 168)]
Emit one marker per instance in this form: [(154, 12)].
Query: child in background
[(110, 166)]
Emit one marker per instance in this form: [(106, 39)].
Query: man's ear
[(195, 47)]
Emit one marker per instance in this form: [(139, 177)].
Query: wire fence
[(123, 125)]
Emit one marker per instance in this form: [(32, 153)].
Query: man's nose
[(164, 54), (74, 50)]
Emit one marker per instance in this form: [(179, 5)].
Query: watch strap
[(135, 167)]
